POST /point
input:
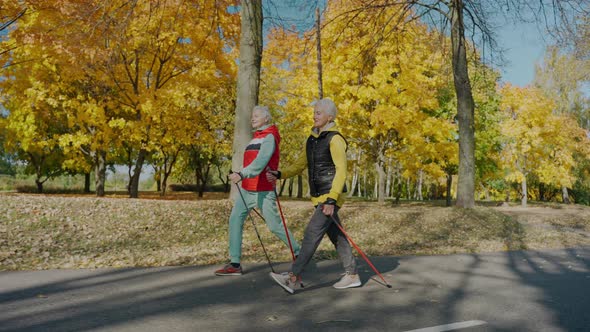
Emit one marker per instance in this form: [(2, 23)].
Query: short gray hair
[(264, 111), (328, 106)]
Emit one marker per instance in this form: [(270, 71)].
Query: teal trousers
[(266, 204)]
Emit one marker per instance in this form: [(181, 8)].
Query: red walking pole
[(360, 251), (284, 223)]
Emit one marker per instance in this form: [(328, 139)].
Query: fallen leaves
[(44, 232)]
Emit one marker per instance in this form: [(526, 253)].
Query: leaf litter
[(49, 232)]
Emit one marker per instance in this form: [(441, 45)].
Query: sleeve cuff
[(330, 201)]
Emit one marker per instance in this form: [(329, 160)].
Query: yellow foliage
[(140, 75), (382, 88), (537, 139)]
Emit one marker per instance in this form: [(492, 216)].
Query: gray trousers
[(319, 225)]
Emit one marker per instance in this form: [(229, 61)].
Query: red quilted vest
[(259, 182)]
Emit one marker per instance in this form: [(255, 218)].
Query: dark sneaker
[(229, 270), (348, 281), (284, 280)]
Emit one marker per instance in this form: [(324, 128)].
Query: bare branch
[(6, 24)]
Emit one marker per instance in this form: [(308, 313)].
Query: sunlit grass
[(62, 231)]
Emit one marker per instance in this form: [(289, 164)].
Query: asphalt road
[(508, 291)]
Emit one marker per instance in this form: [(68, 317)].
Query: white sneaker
[(284, 280), (348, 281)]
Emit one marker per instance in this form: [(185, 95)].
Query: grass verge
[(44, 232)]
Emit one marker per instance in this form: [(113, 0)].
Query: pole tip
[(388, 286)]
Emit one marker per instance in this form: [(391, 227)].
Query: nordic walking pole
[(255, 229), (284, 223), (360, 251)]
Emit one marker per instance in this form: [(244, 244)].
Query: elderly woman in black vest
[(325, 160)]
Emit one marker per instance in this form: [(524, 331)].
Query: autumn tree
[(10, 13), (155, 46), (35, 120), (561, 77), (462, 17), (383, 96), (248, 82), (212, 126), (538, 141), (126, 59)]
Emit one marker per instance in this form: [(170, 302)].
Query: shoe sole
[(281, 284), (228, 274), (355, 284)]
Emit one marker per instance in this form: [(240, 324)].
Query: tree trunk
[(225, 180), (388, 176), (376, 187), (364, 193), (486, 193), (564, 195), (100, 172), (353, 182), (158, 178), (129, 174), (449, 186), (359, 187), (86, 183), (167, 168), (524, 193), (299, 186), (248, 78), (39, 184), (198, 181), (291, 187), (419, 196), (398, 193), (319, 53), (163, 184), (355, 175), (380, 183), (465, 110), (202, 174), (283, 183), (134, 181)]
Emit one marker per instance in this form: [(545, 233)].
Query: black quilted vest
[(320, 166)]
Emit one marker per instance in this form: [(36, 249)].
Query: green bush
[(7, 182)]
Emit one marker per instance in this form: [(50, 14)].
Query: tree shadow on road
[(149, 299), (192, 298)]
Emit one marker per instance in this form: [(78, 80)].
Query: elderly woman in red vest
[(261, 155)]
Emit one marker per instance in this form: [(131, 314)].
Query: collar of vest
[(315, 133)]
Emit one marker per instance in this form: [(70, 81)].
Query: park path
[(506, 291)]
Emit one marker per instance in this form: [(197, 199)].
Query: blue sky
[(524, 46)]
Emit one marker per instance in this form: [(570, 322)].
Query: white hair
[(328, 106), (264, 111)]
